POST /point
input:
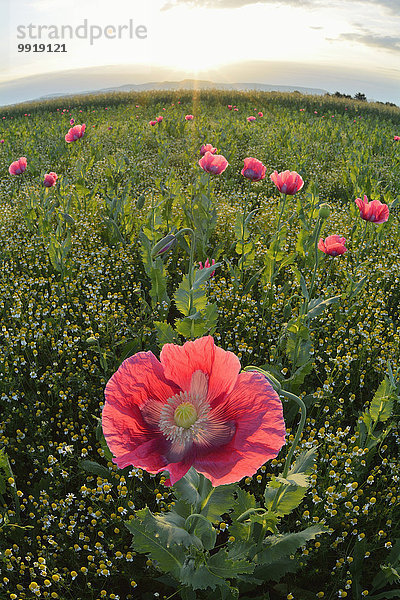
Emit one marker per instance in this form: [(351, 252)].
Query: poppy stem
[(303, 415), (281, 213), (316, 256)]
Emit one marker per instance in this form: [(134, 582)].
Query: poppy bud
[(324, 211), (164, 245)]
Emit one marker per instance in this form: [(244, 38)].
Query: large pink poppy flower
[(192, 408), (75, 133), (213, 163), (253, 169), (18, 166), (333, 245), (287, 182), (374, 211)]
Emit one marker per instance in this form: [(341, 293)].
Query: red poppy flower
[(18, 166), (50, 179), (374, 211), (75, 133), (192, 408), (207, 148), (333, 245), (253, 169), (287, 182), (213, 163)]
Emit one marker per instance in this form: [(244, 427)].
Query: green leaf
[(183, 295), (300, 479), (382, 403), (54, 253), (304, 463), (300, 279), (203, 529), (6, 468), (288, 497), (158, 291), (294, 381), (241, 232), (298, 344), (281, 546), (244, 502), (199, 577), (204, 274), (108, 455), (93, 467), (221, 565), (302, 242), (145, 251), (165, 333), (170, 560), (318, 305), (218, 501), (67, 218), (288, 260), (169, 528), (199, 323), (192, 487), (277, 569)]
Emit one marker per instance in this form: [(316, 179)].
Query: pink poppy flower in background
[(230, 106), (287, 182), (396, 138), (72, 121), (1, 141), (50, 179), (260, 114), (18, 166), (207, 148), (192, 408), (374, 211), (152, 123), (75, 133), (213, 163), (251, 119), (253, 169), (235, 109), (159, 119), (333, 245), (189, 117), (207, 264)]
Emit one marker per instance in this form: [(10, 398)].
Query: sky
[(349, 46)]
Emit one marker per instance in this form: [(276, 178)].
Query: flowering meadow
[(200, 348)]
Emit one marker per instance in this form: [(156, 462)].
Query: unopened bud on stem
[(324, 211), (164, 245)]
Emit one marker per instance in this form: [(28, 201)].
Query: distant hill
[(188, 84), (245, 75)]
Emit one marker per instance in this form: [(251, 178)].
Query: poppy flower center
[(185, 415)]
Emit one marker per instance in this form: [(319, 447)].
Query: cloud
[(383, 42), (239, 3), (393, 6)]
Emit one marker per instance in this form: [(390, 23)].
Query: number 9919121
[(42, 48)]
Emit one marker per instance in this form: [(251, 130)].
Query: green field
[(82, 291)]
